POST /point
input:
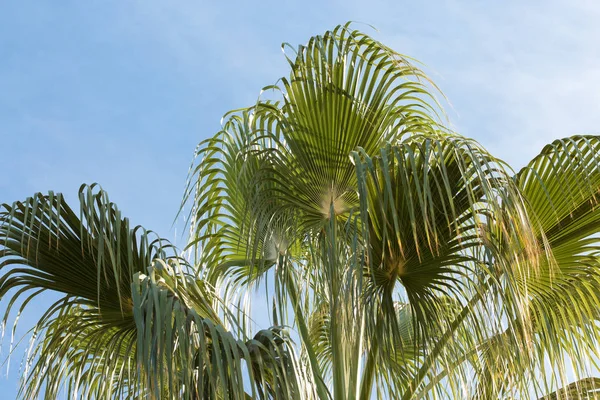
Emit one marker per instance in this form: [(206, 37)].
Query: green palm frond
[(133, 320), (91, 260), (266, 183), (190, 356), (560, 187), (88, 360), (442, 220), (584, 389), (345, 91)]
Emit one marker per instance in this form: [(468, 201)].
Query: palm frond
[(133, 320), (584, 389), (560, 187)]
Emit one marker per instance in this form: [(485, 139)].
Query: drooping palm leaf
[(560, 187), (584, 389), (133, 321)]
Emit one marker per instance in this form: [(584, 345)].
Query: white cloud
[(531, 76), (517, 74)]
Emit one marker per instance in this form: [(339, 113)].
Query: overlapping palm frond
[(444, 227), (133, 321), (187, 355), (291, 157), (270, 181), (560, 187), (46, 246), (585, 389)]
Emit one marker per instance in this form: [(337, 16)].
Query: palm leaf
[(587, 388), (132, 321)]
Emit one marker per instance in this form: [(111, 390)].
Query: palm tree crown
[(397, 258)]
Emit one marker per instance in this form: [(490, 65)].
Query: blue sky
[(120, 92)]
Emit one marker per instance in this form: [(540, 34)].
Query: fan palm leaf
[(133, 320)]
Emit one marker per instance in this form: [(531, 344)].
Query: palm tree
[(392, 257)]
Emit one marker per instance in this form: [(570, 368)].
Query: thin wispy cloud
[(518, 75)]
